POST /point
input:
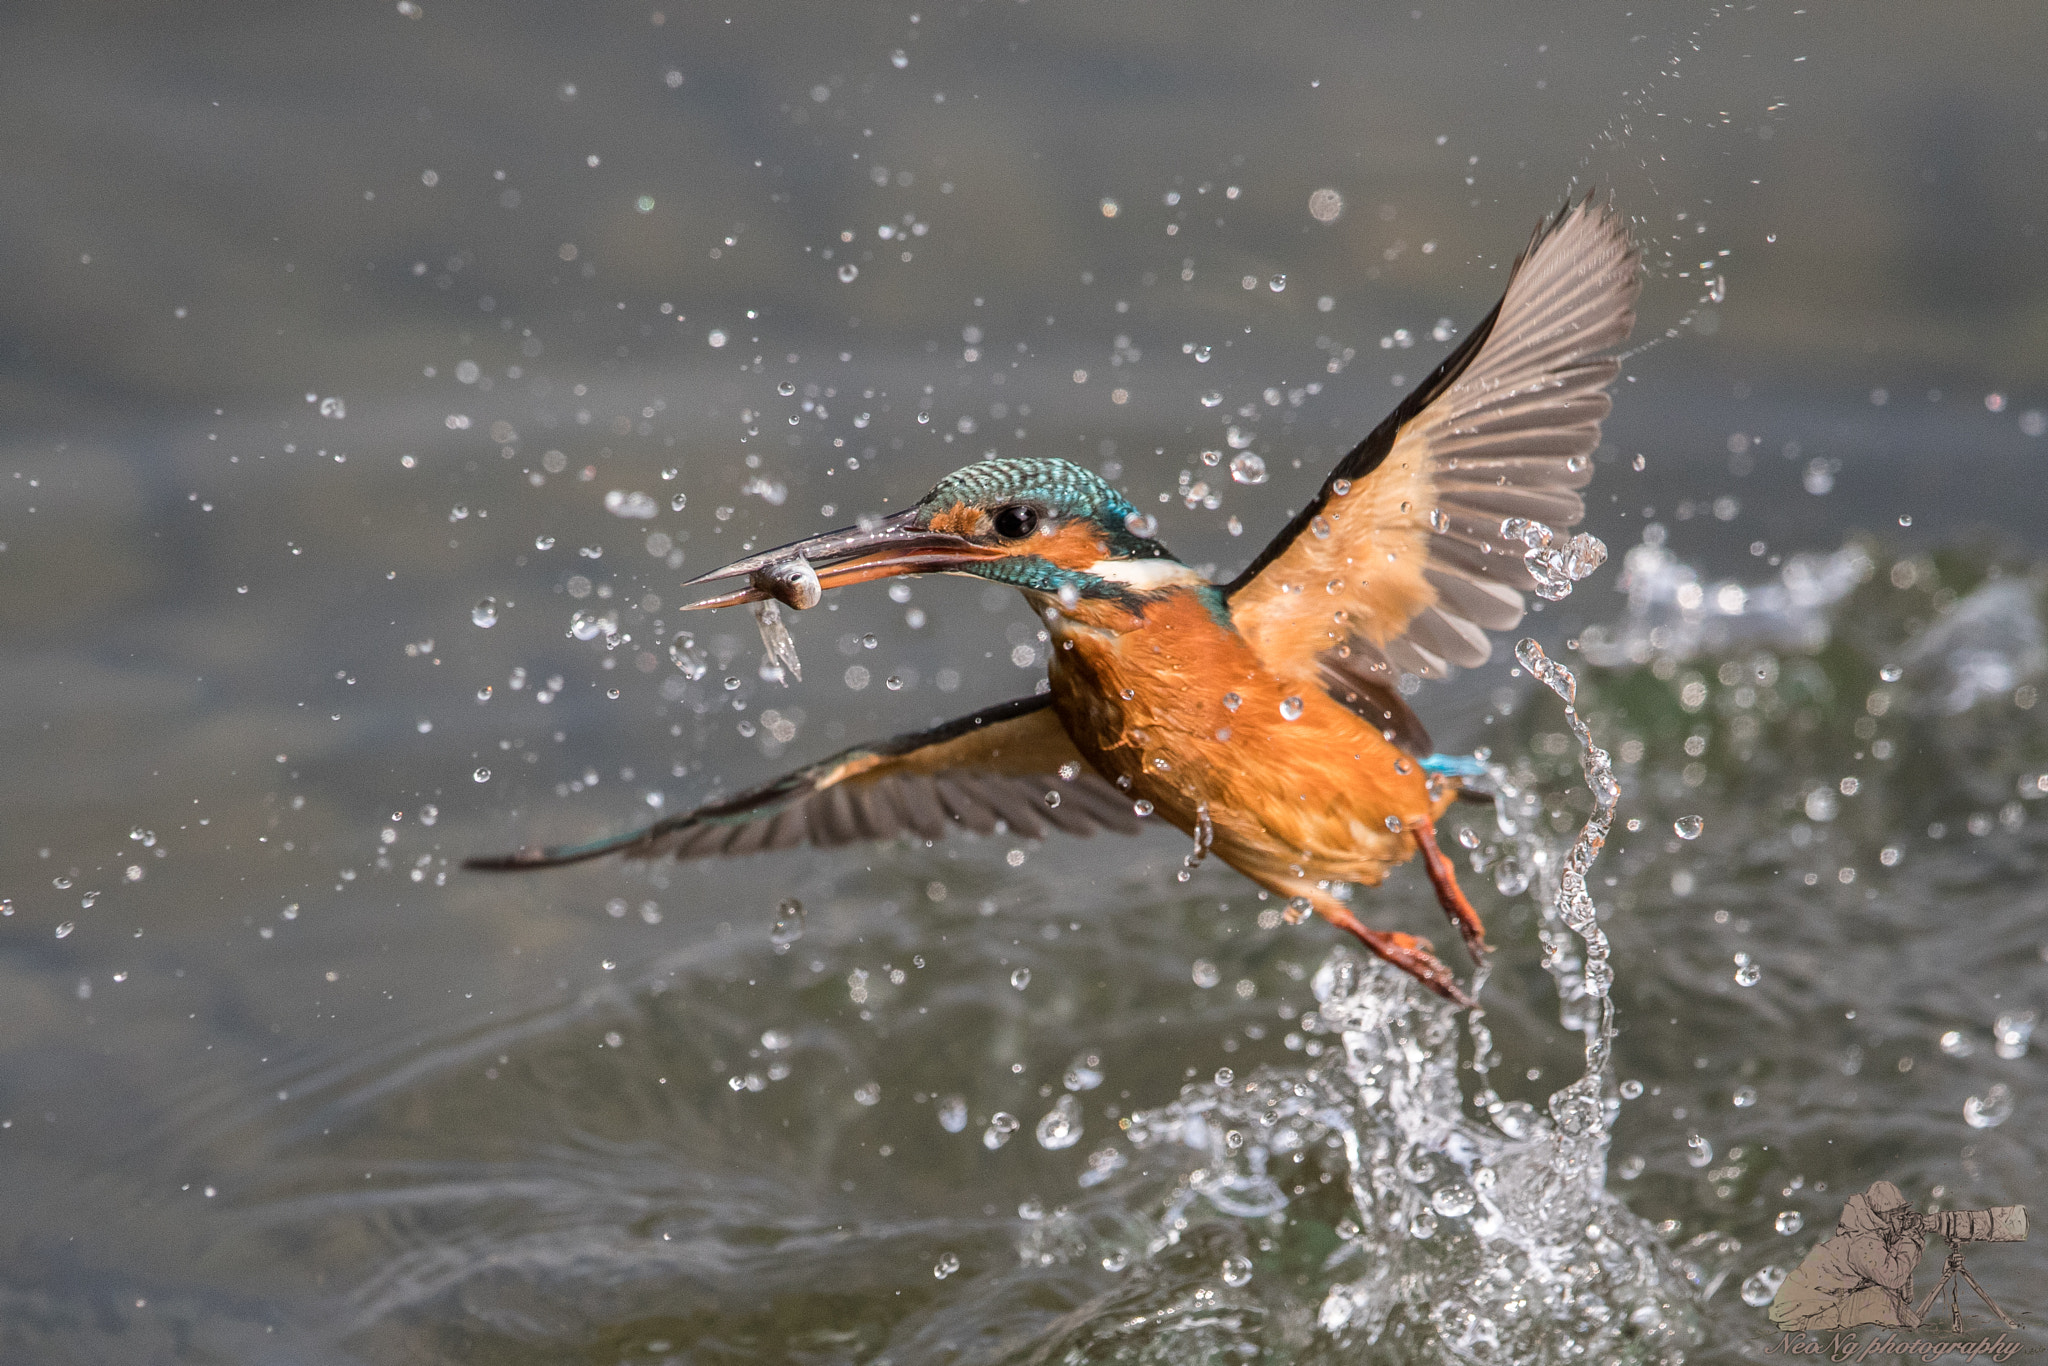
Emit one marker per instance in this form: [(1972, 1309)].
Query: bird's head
[(1045, 526)]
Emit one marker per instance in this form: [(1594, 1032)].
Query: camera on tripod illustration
[(1999, 1224)]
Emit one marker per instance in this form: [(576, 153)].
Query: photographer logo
[(1863, 1275)]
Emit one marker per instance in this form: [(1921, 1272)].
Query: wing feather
[(996, 765), (1406, 532)]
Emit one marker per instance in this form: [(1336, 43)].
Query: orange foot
[(1445, 879), (1404, 951)]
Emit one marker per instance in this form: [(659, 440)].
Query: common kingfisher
[(1265, 716)]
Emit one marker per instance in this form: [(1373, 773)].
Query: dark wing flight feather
[(997, 765), (1399, 565)]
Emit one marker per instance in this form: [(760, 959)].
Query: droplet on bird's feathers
[(1340, 487), (1231, 701), (1247, 468), (1298, 909), (485, 613), (1141, 807), (1321, 527), (1142, 524), (1688, 827), (1290, 708)]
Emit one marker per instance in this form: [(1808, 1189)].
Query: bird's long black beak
[(878, 550)]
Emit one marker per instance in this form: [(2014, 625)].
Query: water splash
[(1555, 563), (1672, 614), (1461, 1239)]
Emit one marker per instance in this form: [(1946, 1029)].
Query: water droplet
[(1789, 1222), (1061, 1126), (1688, 827), (1957, 1044), (1237, 1271), (1231, 701), (1699, 1152), (1247, 468), (1141, 807), (482, 775), (485, 613), (1298, 909), (848, 273), (1340, 487), (1890, 674), (1142, 524), (1631, 1089), (1202, 354), (1762, 1286), (1454, 1201), (2012, 1031), (683, 650), (1989, 1110), (543, 543), (868, 1093), (1277, 283), (953, 1114), (1083, 1073), (64, 930), (788, 926), (776, 1040), (1000, 1126), (1744, 1097), (1052, 801), (948, 1262), (1021, 978), (1210, 400), (1290, 708), (1747, 974), (1205, 974)]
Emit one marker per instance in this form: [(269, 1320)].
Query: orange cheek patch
[(1072, 545), (959, 520)]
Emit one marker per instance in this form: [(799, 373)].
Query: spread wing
[(1399, 565), (1000, 764)]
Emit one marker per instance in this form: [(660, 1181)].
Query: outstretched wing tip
[(986, 770), (1504, 427)]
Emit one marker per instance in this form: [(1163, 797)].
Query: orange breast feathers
[(1357, 571), (1186, 711)]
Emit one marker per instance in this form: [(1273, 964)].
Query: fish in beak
[(798, 574)]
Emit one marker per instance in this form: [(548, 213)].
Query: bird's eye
[(1015, 522)]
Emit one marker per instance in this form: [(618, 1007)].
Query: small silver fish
[(775, 638), (791, 582)]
